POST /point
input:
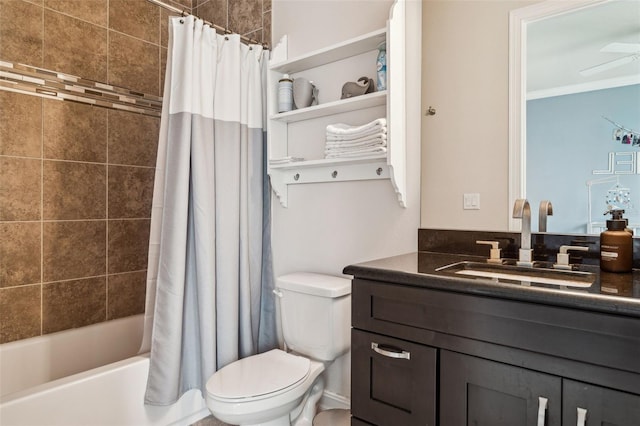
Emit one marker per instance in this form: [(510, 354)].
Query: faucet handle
[(494, 252), (563, 256)]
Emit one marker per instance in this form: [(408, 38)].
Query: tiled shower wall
[(76, 181)]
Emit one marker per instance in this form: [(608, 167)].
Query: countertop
[(614, 293)]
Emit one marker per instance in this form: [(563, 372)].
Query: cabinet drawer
[(393, 381)]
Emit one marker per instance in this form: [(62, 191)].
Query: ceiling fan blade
[(609, 65), (621, 48)]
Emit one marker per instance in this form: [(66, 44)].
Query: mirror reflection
[(583, 115)]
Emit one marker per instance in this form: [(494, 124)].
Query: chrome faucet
[(522, 210), (546, 209)]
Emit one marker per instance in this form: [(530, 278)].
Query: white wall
[(328, 226), (465, 76)]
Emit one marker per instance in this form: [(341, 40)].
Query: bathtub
[(86, 376)]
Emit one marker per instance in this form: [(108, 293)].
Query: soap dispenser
[(616, 244)]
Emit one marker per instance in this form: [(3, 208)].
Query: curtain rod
[(223, 30)]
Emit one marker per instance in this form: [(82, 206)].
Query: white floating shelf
[(328, 162), (325, 170), (336, 52), (336, 107)]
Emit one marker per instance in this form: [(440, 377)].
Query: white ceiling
[(559, 47)]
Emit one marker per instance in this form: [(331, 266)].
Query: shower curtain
[(209, 281)]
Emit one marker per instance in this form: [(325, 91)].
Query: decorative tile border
[(53, 85)]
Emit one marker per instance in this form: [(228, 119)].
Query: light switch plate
[(471, 201)]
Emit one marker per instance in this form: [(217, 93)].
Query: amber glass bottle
[(616, 245)]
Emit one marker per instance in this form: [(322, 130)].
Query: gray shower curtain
[(210, 281)]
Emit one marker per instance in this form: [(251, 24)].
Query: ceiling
[(559, 47)]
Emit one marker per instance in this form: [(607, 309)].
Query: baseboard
[(331, 400)]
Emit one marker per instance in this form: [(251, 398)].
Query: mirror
[(574, 123)]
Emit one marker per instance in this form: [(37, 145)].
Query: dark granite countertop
[(611, 293)]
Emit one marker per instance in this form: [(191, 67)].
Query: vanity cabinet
[(483, 360)]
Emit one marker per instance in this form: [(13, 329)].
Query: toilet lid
[(258, 375)]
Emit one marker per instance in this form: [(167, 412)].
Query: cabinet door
[(478, 392), (601, 406), (393, 382)]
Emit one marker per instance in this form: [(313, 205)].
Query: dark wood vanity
[(431, 349)]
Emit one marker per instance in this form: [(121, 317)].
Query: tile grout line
[(42, 211)]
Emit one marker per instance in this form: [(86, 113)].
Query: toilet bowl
[(266, 389), (279, 388)]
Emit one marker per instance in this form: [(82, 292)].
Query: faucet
[(522, 210), (494, 252), (563, 256), (546, 209)]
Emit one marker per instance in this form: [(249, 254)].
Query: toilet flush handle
[(277, 292)]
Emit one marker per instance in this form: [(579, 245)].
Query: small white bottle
[(285, 93)]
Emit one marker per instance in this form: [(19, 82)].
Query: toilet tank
[(315, 312)]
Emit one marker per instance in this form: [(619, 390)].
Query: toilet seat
[(258, 376)]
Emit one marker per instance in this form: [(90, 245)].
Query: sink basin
[(520, 275)]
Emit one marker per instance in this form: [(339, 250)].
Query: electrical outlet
[(471, 201)]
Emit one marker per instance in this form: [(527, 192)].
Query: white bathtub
[(39, 386)]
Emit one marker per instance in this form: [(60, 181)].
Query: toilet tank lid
[(315, 284)]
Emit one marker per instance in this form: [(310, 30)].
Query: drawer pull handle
[(542, 410), (582, 416), (390, 352)]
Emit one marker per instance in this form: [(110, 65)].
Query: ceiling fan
[(634, 54)]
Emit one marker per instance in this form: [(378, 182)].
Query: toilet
[(279, 388)]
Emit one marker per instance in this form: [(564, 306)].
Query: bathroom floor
[(209, 421)]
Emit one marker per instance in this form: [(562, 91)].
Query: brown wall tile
[(126, 294), (21, 124), (19, 313), (187, 4), (128, 245), (19, 253), (74, 190), (133, 63), (215, 11), (74, 47), (21, 32), (20, 184), (266, 28), (130, 192), (164, 26), (71, 304), (137, 18), (74, 249), (74, 131), (245, 16), (93, 11), (163, 68), (133, 138)]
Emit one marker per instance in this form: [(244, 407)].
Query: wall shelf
[(336, 52), (336, 107), (391, 166), (327, 170)]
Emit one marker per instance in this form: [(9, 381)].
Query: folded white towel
[(360, 153), (367, 140), (355, 139), (285, 160), (351, 148), (340, 129)]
